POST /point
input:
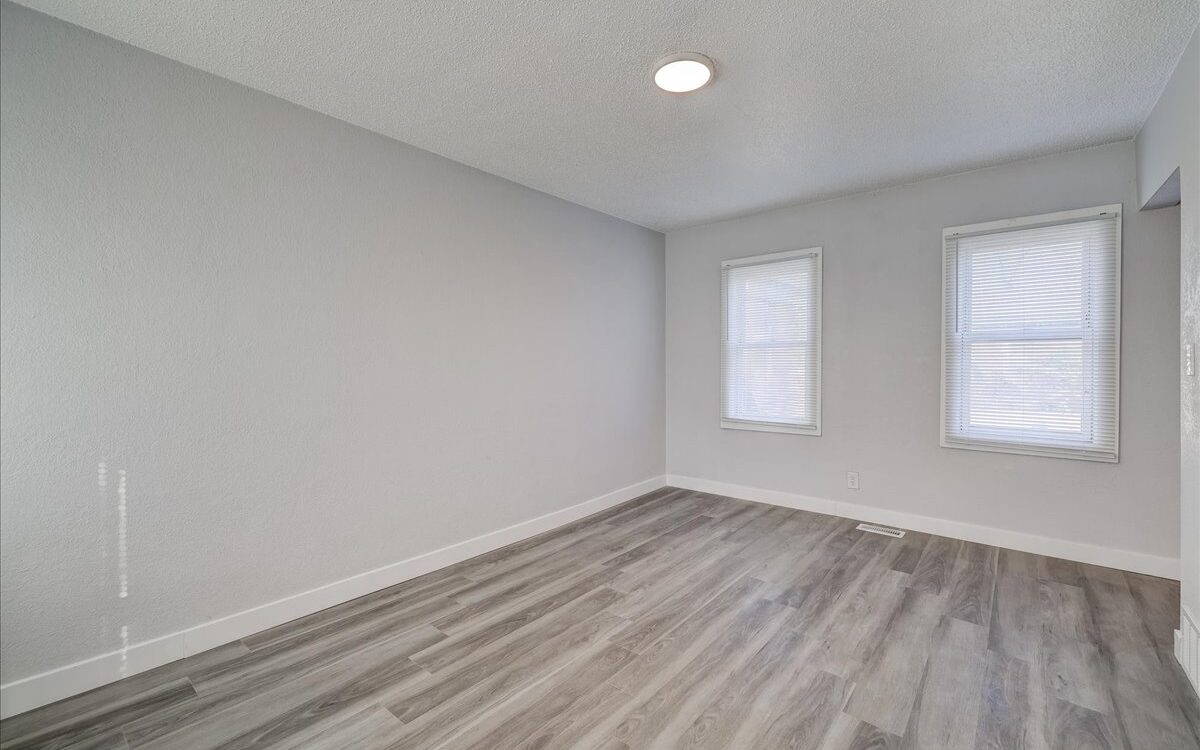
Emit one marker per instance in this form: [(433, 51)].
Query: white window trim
[(736, 424), (1027, 222)]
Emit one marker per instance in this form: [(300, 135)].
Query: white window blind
[(771, 342), (1031, 345)]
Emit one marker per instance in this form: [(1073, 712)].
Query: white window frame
[(737, 424), (1029, 222)]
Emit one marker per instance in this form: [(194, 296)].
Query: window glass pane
[(767, 389), (1026, 385), (1031, 349), (770, 344), (1026, 287)]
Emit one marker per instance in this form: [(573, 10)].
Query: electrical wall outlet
[(852, 480)]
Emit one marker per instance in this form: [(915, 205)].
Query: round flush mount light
[(683, 72)]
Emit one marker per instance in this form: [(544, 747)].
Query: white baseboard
[(40, 689), (1187, 646), (1138, 562)]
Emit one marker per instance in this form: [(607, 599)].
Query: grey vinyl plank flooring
[(392, 599), (1012, 709), (278, 691), (519, 650), (1072, 726), (273, 715), (909, 549), (115, 704), (678, 645), (972, 583), (848, 733), (887, 685), (1015, 627), (104, 726), (935, 566), (583, 725), (945, 714), (816, 563), (670, 710), (684, 620), (313, 649), (373, 727), (454, 649), (432, 725), (1145, 702), (810, 711), (748, 701), (512, 722), (1158, 603), (647, 624)]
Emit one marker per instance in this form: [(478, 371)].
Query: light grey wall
[(882, 313), (1170, 140), (313, 350)]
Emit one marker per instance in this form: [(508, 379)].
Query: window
[(1031, 335), (771, 342)]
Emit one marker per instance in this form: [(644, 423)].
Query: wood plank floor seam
[(684, 620)]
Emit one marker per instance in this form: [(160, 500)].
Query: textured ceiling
[(811, 99)]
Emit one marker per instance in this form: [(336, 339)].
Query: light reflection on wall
[(122, 546)]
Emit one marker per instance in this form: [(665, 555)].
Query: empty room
[(545, 374)]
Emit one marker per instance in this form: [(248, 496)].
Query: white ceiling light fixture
[(683, 72)]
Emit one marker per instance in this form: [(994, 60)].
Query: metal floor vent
[(885, 530)]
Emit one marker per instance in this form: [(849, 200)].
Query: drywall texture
[(811, 99), (311, 350), (882, 312), (1169, 141)]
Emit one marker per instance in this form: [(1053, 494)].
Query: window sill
[(1023, 450), (730, 424)]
